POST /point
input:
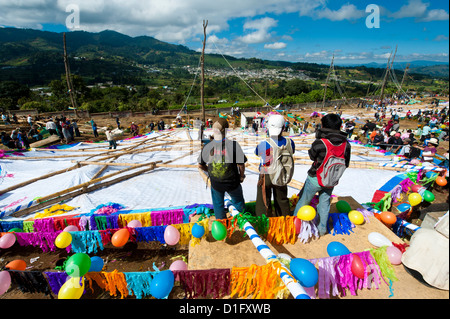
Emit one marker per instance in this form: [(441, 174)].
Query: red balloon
[(415, 188), (358, 268), (298, 225), (388, 218), (378, 216)]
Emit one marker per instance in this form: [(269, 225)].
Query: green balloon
[(343, 207), (16, 230), (218, 231), (428, 196), (78, 265)]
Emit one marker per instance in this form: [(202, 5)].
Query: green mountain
[(35, 58)]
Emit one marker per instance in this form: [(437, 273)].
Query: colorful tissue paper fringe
[(254, 282)]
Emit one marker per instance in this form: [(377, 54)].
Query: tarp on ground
[(163, 187)]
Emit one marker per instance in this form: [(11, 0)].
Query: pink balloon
[(5, 281), (171, 235), (7, 240), (134, 224), (71, 228), (178, 265), (394, 255)]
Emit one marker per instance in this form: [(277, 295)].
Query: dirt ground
[(143, 257)]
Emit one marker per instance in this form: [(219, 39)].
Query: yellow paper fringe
[(205, 224), (54, 210), (144, 218), (186, 232), (257, 282), (281, 230)]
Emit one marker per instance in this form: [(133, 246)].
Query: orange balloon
[(441, 181), (120, 237), (388, 218), (17, 264)]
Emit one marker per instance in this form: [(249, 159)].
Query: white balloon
[(379, 240)]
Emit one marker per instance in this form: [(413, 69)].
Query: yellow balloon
[(415, 199), (356, 217), (63, 240), (306, 213), (72, 289)]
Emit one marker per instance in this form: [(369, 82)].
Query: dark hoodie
[(318, 150)]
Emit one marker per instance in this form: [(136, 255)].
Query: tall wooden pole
[(202, 86), (205, 25), (69, 81), (383, 86), (326, 84), (404, 76)]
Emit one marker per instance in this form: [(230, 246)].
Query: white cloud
[(275, 46), (261, 33), (441, 37), (346, 12), (435, 15), (167, 20), (419, 10)]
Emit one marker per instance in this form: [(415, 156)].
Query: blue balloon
[(403, 207), (96, 264), (198, 230), (304, 271), (302, 296), (162, 284), (337, 249)]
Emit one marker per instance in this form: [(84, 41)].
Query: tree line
[(95, 99)]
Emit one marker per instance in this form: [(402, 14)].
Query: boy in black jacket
[(330, 131)]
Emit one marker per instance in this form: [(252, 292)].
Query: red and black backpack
[(333, 165)]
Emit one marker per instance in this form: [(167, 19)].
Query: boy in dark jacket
[(330, 131), (224, 161)]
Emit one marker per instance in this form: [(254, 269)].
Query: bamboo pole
[(87, 184), (84, 190), (18, 158), (78, 165), (9, 189), (132, 164)]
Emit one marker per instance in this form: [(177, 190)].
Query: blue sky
[(289, 30)]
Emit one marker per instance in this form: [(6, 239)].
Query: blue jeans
[(218, 199), (308, 192)]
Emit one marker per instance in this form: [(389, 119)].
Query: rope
[(337, 83), (192, 86), (397, 84), (237, 74)]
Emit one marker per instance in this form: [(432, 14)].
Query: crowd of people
[(21, 138), (224, 161), (418, 145)]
